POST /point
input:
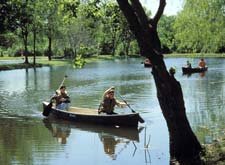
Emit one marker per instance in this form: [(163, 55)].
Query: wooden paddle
[(48, 108), (132, 110)]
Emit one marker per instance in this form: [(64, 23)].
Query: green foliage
[(200, 27), (167, 33), (120, 50), (68, 53), (134, 49), (79, 61), (8, 15), (99, 27)]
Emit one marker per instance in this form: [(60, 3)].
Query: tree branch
[(143, 19), (159, 12), (130, 16)]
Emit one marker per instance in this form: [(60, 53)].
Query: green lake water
[(26, 137)]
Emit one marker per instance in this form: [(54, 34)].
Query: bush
[(79, 61), (46, 53), (134, 49), (68, 53), (38, 53), (86, 51), (120, 50), (21, 52)]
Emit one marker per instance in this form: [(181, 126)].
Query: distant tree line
[(66, 28)]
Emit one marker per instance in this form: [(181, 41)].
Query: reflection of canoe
[(91, 116), (128, 133), (193, 70), (147, 65)]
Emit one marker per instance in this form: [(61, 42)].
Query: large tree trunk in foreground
[(184, 145)]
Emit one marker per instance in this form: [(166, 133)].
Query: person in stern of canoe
[(61, 98), (188, 65), (202, 63), (109, 102)]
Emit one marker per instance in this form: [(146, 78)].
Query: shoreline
[(5, 67), (43, 61)]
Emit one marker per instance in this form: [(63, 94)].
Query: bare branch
[(159, 12), (140, 12)]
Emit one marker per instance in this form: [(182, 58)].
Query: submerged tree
[(184, 146)]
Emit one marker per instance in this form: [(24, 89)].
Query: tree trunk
[(49, 48), (25, 35), (184, 145), (34, 46)]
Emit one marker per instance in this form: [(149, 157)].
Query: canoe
[(77, 114), (147, 63), (193, 70)]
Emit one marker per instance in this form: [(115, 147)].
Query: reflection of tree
[(16, 143), (205, 97), (146, 147)]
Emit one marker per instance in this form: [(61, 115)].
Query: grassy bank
[(215, 152), (40, 61), (18, 66)]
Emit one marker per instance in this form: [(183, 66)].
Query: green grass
[(18, 66), (40, 61)]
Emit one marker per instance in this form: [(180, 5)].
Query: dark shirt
[(59, 97), (108, 105)]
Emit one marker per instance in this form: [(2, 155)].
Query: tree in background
[(23, 23), (184, 146), (167, 33), (200, 27)]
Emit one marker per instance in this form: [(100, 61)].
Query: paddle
[(48, 108), (132, 110)]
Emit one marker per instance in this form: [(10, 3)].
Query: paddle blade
[(47, 109), (141, 120)]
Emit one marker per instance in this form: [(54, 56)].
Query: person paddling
[(61, 98), (202, 63), (188, 65), (109, 102)]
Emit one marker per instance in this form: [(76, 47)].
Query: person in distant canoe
[(61, 98), (109, 102), (202, 63), (188, 64)]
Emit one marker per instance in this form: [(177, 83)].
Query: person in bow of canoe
[(61, 98), (109, 102), (188, 65)]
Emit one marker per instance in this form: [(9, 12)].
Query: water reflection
[(201, 74), (22, 92), (59, 131), (110, 137), (109, 143)]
